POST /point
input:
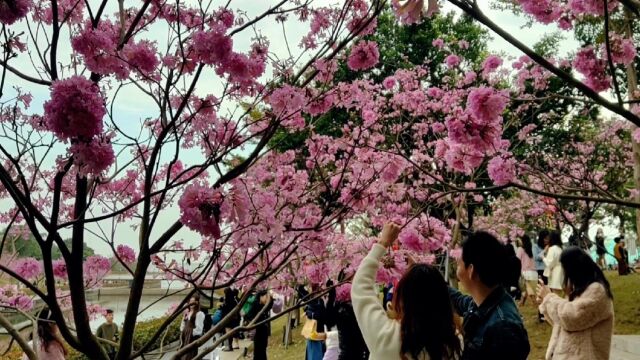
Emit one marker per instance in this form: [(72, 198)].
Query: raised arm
[(377, 329), (593, 306)]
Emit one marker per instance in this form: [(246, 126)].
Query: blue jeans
[(315, 350)]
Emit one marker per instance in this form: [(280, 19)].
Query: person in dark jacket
[(263, 331), (492, 325), (339, 314), (230, 302), (513, 273)]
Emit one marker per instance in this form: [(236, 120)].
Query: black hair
[(555, 239), (109, 311), (526, 245), (424, 308), (580, 271), (541, 236), (487, 255), (46, 332)]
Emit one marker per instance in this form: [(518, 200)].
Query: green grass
[(626, 292)]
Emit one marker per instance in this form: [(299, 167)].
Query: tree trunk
[(632, 85)]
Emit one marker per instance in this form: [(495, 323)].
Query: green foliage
[(142, 335)]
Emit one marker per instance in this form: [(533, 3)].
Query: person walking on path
[(538, 255), (583, 321), (191, 328), (48, 344), (553, 270), (525, 254), (423, 328), (108, 331), (492, 325), (601, 250)]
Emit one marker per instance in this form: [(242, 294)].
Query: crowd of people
[(421, 316)]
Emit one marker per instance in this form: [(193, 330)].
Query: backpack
[(208, 323), (248, 306), (217, 317), (277, 306)]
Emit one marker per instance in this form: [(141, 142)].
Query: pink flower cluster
[(491, 64), (99, 49), (486, 104), (545, 11), (287, 103), (364, 55), (623, 50), (75, 110), (93, 157), (27, 268), (343, 292), (200, 208), (126, 254), (591, 7), (593, 68), (428, 234), (12, 297), (95, 267), (59, 268), (12, 11), (502, 170)]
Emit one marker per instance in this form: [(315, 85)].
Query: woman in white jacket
[(583, 321), (553, 268), (423, 328)]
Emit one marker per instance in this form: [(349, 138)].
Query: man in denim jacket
[(492, 325)]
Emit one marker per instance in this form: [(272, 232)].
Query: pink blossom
[(486, 104), (287, 100), (389, 82), (490, 64), (200, 209), (326, 69), (141, 56), (410, 12), (95, 267), (636, 135), (410, 239), (11, 11), (75, 109), (343, 292), (439, 43), (22, 302), (212, 47), (452, 60), (463, 44), (502, 170), (59, 268), (93, 157), (456, 253), (364, 55), (545, 11), (593, 69), (126, 254), (591, 7), (623, 51), (27, 268)]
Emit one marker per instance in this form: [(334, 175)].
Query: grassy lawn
[(626, 292)]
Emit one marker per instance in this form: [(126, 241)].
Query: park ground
[(626, 292)]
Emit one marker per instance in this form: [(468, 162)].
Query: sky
[(133, 107)]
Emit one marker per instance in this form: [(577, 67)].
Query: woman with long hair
[(423, 327), (583, 321), (48, 344), (191, 327), (553, 270), (525, 254), (230, 302)]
